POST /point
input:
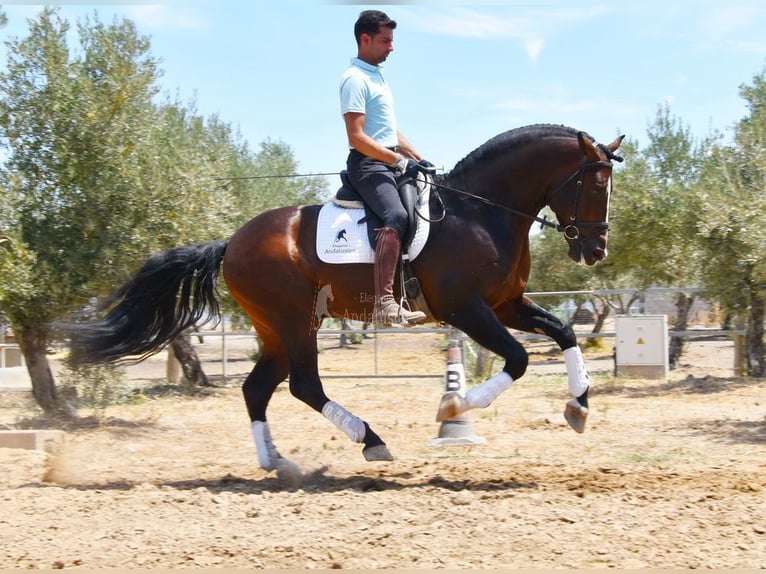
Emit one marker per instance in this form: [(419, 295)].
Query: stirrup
[(391, 314)]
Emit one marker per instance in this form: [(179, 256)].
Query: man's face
[(375, 49)]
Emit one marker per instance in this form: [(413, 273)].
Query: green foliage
[(99, 175), (262, 182), (656, 206), (71, 166), (552, 269), (22, 297), (732, 221), (98, 171), (96, 387)]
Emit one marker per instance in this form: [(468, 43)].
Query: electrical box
[(642, 346)]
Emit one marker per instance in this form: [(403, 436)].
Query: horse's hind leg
[(532, 318), (271, 369), (306, 386)]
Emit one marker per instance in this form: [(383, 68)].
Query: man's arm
[(406, 148), (363, 143)]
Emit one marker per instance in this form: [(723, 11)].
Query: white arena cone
[(459, 429)]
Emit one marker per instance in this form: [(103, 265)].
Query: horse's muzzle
[(599, 254), (588, 251)]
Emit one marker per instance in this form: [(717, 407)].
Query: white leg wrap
[(579, 381), (482, 395), (345, 421), (264, 445)]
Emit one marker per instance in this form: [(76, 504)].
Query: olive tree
[(655, 213), (91, 176), (732, 222)]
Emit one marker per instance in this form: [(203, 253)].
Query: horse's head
[(581, 203)]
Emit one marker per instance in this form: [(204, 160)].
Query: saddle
[(347, 196), (409, 191)]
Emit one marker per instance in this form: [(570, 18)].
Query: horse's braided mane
[(506, 141)]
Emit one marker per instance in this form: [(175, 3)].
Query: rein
[(543, 221), (571, 229)]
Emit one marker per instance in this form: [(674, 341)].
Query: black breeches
[(376, 183)]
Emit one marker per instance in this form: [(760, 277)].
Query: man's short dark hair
[(370, 22)]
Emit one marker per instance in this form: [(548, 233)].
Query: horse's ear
[(616, 143), (588, 147)]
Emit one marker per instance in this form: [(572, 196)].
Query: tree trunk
[(684, 304), (34, 346), (754, 336), (190, 363), (482, 361), (172, 367), (573, 316), (601, 315)]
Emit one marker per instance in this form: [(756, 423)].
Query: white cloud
[(533, 47), (530, 26), (601, 116)]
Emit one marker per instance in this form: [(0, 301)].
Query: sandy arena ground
[(669, 473)]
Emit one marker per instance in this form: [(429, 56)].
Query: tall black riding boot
[(387, 311)]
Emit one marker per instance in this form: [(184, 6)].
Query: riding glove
[(407, 166), (426, 166)]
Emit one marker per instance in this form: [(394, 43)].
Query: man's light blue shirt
[(364, 90)]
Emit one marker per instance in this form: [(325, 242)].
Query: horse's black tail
[(171, 293)]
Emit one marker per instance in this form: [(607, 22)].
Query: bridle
[(572, 229)]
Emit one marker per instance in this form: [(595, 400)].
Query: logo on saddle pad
[(339, 242), (341, 238)]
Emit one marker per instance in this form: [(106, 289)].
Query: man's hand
[(426, 166), (407, 166)]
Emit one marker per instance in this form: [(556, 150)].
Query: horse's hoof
[(377, 452), (576, 415), (451, 405)]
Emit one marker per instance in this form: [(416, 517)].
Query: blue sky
[(461, 72)]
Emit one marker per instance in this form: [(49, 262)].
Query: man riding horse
[(379, 155), (472, 272)]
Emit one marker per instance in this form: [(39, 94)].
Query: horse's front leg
[(531, 318), (479, 322)]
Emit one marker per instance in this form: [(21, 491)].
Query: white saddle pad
[(342, 239)]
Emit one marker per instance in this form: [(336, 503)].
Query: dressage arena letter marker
[(459, 429)]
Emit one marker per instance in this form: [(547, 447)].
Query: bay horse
[(473, 271)]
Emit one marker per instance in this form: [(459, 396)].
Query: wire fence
[(10, 354)]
